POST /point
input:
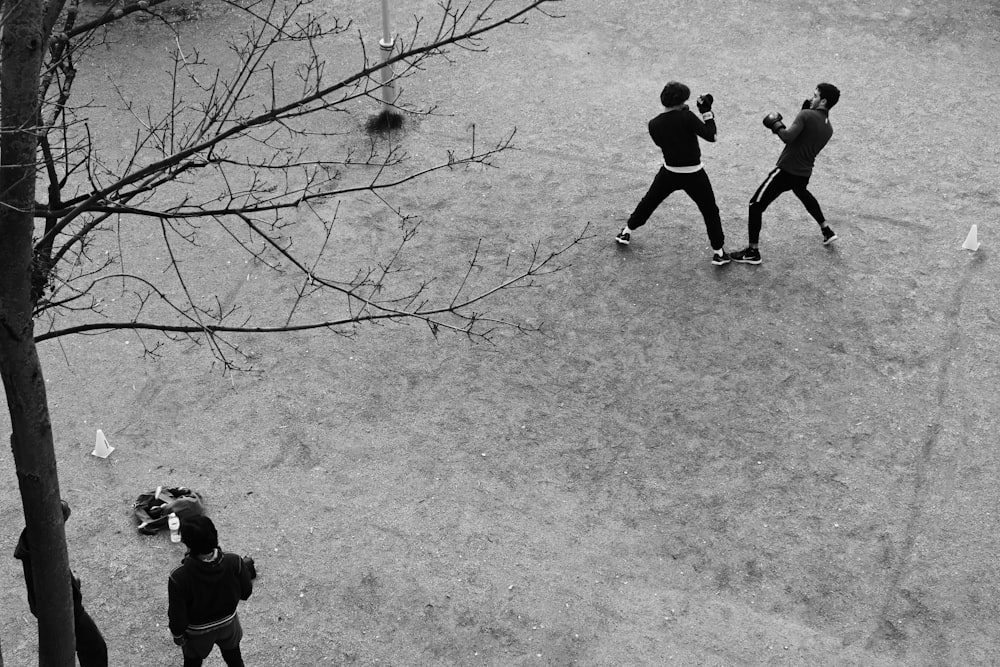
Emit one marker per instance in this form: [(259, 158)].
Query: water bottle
[(175, 527)]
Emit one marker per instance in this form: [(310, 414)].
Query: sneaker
[(719, 260), (746, 256), (624, 237), (829, 236)]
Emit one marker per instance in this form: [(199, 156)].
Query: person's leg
[(772, 187), (196, 649), (229, 644), (91, 649), (699, 188), (809, 201), (233, 656), (801, 190), (776, 183), (663, 184)]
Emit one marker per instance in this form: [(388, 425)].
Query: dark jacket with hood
[(676, 132), (23, 553), (203, 594)]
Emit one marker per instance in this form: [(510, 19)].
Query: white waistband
[(684, 170)]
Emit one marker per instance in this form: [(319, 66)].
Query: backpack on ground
[(152, 509)]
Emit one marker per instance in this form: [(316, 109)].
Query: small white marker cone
[(101, 447), (971, 243)]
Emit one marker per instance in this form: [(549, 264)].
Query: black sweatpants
[(777, 182), (227, 637), (91, 649), (698, 188)]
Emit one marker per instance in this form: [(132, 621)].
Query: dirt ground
[(789, 464)]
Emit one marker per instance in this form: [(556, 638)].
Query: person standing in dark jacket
[(91, 649), (204, 592), (676, 132)]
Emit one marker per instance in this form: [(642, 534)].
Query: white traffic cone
[(101, 447), (971, 243)]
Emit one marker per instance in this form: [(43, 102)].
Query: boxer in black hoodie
[(676, 132)]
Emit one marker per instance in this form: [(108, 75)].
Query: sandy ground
[(790, 464)]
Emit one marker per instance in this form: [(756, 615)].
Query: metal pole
[(387, 43)]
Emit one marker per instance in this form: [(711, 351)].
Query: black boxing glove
[(772, 121), (705, 107)]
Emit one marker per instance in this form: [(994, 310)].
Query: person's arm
[(246, 582), (23, 553), (77, 588), (705, 128), (29, 584), (177, 614), (651, 128), (791, 133)]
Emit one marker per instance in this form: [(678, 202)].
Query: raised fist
[(705, 102), (772, 121)]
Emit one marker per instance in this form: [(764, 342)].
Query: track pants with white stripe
[(777, 182)]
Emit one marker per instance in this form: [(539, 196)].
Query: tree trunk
[(23, 46)]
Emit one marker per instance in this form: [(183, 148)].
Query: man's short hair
[(674, 93), (199, 535), (828, 92)]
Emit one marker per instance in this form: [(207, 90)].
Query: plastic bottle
[(175, 527)]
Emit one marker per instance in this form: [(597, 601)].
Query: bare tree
[(227, 168)]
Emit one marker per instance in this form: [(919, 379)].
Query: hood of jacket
[(205, 571)]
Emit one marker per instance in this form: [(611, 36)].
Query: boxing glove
[(772, 121), (807, 104), (705, 103)]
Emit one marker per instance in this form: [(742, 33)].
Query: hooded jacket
[(23, 553), (203, 594), (676, 132)]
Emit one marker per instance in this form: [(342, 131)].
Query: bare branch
[(464, 318), (448, 35), (226, 163)]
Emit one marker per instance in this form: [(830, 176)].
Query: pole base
[(384, 121)]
